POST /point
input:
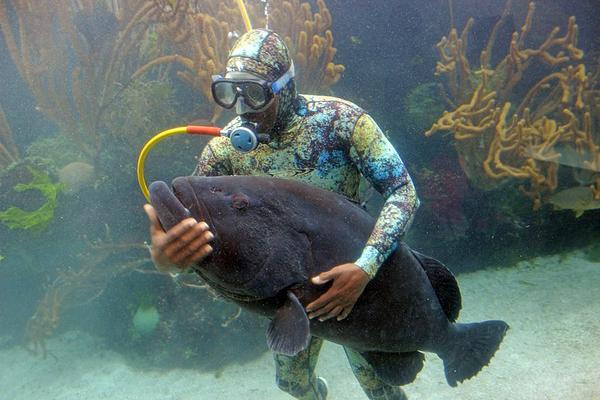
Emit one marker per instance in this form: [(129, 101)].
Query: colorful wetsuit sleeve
[(214, 159), (381, 165)]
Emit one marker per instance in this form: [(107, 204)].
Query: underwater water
[(496, 122)]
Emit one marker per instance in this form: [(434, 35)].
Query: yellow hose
[(244, 13), (142, 157)]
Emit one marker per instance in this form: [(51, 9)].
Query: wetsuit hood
[(264, 53)]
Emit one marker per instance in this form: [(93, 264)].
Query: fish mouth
[(203, 212), (183, 189)]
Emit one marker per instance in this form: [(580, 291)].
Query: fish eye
[(240, 201)]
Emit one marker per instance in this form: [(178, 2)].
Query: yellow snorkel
[(190, 129), (243, 138), (245, 17)]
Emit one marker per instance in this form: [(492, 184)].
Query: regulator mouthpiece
[(244, 138)]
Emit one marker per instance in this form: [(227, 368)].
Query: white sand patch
[(552, 351)]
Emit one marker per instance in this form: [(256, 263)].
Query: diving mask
[(255, 93)]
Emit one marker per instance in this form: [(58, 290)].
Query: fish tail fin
[(474, 346)]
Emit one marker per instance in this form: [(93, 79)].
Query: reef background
[(88, 270)]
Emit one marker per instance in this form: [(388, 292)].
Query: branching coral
[(8, 149), (309, 38), (75, 57), (497, 139), (201, 33), (200, 41), (45, 320), (74, 287)]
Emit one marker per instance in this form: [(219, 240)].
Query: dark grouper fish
[(272, 235)]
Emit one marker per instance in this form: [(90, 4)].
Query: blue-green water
[(75, 270)]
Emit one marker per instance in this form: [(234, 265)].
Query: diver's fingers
[(326, 298), (190, 253), (176, 233), (200, 240), (179, 239), (331, 314), (199, 255), (324, 309), (168, 244), (154, 222), (326, 276), (344, 314), (197, 231)]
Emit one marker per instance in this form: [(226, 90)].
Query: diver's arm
[(379, 162), (393, 221), (350, 279), (382, 166)]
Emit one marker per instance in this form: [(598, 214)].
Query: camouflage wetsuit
[(329, 143)]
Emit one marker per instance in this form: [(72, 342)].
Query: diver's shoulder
[(318, 101), (222, 144), (219, 146)]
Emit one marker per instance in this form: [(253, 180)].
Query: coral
[(75, 58), (149, 105), (443, 192), (422, 104), (44, 321), (57, 150), (8, 150), (309, 38), (200, 35), (78, 286), (502, 134), (37, 220)]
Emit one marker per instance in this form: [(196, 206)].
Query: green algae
[(39, 219)]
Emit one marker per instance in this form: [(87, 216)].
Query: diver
[(324, 141)]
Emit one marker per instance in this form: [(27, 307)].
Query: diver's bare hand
[(181, 246), (349, 281)]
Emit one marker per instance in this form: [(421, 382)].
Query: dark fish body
[(272, 235)]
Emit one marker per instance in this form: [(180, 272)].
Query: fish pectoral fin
[(289, 330), (395, 368)]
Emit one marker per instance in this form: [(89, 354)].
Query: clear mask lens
[(225, 93), (255, 95)]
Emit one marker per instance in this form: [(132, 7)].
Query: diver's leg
[(374, 388), (296, 374)]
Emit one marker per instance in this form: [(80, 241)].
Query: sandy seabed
[(551, 352)]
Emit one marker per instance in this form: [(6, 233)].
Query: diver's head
[(259, 81)]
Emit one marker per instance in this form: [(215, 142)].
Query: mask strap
[(283, 80)]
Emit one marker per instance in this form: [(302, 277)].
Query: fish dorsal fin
[(395, 368), (289, 330), (444, 284)]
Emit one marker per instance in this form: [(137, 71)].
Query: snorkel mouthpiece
[(244, 138)]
